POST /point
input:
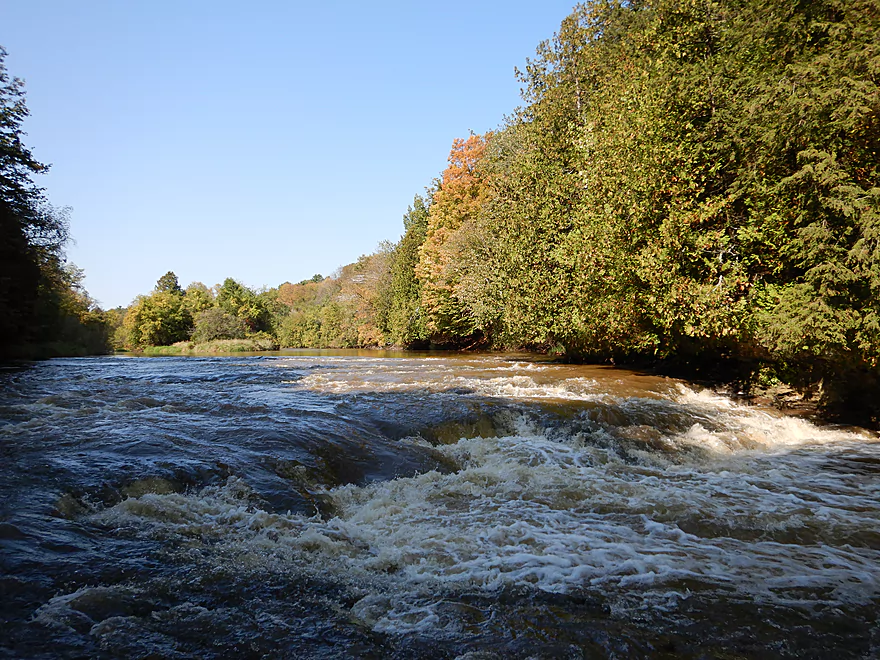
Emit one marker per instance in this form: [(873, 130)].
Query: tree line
[(688, 183)]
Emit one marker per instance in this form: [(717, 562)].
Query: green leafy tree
[(159, 319), (276, 310), (214, 323), (69, 321), (116, 329), (240, 301), (197, 297)]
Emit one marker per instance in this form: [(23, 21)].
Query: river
[(322, 504)]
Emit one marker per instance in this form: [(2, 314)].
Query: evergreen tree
[(168, 283), (406, 324)]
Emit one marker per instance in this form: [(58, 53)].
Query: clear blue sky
[(264, 141)]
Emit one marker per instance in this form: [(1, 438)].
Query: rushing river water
[(369, 505)]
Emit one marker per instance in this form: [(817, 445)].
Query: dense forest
[(688, 184)]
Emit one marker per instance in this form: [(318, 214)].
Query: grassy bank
[(214, 347)]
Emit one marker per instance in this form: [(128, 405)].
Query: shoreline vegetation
[(689, 187), (215, 347)]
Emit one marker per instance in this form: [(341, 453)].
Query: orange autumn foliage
[(462, 192)]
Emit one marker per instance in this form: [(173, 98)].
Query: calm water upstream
[(370, 505)]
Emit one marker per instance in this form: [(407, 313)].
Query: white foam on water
[(739, 502), (735, 426), (516, 385)]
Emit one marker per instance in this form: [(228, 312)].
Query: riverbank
[(251, 345)]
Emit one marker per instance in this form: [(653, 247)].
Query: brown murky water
[(388, 505)]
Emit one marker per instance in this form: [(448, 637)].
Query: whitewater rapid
[(689, 491), (448, 498)]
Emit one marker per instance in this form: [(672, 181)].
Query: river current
[(390, 505)]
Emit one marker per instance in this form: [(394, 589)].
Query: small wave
[(732, 426), (515, 387)]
